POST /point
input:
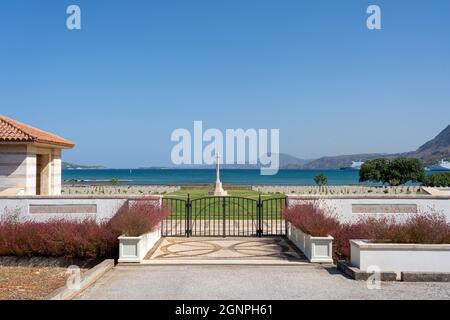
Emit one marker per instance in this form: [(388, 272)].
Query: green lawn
[(195, 193)]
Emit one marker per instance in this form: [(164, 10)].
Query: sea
[(206, 176)]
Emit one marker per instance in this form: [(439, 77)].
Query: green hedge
[(437, 180)]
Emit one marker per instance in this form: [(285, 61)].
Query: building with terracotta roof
[(30, 159)]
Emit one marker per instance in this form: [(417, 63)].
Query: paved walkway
[(242, 268), (267, 250), (209, 282)]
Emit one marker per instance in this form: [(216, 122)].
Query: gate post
[(259, 206), (286, 203), (223, 217), (188, 217)]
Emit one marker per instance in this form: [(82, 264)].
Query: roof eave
[(58, 145), (40, 144)]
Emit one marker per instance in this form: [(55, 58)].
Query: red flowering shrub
[(57, 238), (138, 218), (430, 228), (311, 219), (78, 239), (342, 237), (419, 228)]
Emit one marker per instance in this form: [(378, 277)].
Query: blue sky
[(140, 69)]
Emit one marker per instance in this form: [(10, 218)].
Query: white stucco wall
[(342, 206), (13, 166), (105, 207)]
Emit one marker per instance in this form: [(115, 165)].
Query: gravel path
[(249, 282)]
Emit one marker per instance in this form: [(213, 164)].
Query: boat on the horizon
[(441, 166), (356, 165)]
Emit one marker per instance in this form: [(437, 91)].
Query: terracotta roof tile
[(15, 131)]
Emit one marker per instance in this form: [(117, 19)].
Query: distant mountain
[(431, 152), (338, 162), (286, 160), (434, 150), (73, 166)]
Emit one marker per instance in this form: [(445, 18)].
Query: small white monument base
[(218, 191)]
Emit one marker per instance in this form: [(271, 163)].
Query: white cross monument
[(218, 191)]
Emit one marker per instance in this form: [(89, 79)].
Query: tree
[(403, 170), (437, 180), (393, 172), (374, 170), (320, 180)]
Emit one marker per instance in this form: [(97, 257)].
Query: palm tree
[(321, 181)]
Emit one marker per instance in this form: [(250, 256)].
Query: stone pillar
[(46, 174), (56, 172), (30, 175)]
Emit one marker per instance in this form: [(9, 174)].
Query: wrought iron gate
[(224, 217)]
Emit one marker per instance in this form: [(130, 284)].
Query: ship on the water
[(441, 166), (356, 165)]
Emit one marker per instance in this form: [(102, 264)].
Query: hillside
[(430, 152), (435, 149), (338, 162), (286, 160), (72, 166)]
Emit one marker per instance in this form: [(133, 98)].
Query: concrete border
[(84, 197), (425, 277), (223, 262), (369, 197), (88, 279), (368, 245), (358, 275)]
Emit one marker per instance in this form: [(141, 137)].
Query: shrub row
[(138, 218), (311, 219), (58, 238), (437, 180), (85, 239), (428, 228)]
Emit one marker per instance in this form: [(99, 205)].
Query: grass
[(195, 193)]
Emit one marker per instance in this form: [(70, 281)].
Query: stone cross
[(217, 167), (218, 190)]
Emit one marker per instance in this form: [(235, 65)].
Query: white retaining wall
[(350, 209), (41, 208), (392, 257)]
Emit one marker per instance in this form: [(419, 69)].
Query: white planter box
[(134, 249), (316, 249), (390, 257)]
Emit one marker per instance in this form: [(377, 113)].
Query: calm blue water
[(189, 176)]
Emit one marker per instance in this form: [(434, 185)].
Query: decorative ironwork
[(224, 217)]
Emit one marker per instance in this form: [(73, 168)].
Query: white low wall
[(351, 208), (389, 257), (43, 208)]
